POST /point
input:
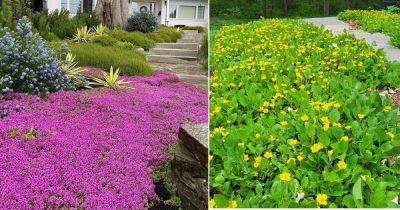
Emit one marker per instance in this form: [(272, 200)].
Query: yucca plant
[(110, 80), (82, 34), (99, 30), (74, 72)]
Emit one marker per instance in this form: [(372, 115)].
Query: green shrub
[(198, 28), (105, 40), (86, 19), (203, 54), (165, 34), (130, 62), (56, 22), (136, 38), (6, 15), (143, 21)]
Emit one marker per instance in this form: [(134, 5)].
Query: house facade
[(168, 12)]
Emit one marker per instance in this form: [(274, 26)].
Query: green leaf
[(221, 201), (357, 193), (277, 191)]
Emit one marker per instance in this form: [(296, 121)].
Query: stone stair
[(184, 51)]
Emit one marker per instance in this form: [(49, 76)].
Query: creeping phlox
[(295, 120), (376, 21)]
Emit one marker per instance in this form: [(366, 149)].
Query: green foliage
[(296, 120), (83, 34), (251, 9), (376, 21), (86, 19), (105, 40), (6, 14), (129, 61), (58, 24), (143, 21), (203, 53), (110, 80), (136, 38), (165, 34)]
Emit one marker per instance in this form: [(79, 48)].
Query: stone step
[(171, 59), (186, 46), (187, 40), (190, 31), (176, 52)]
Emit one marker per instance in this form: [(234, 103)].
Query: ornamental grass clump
[(27, 64), (296, 120)]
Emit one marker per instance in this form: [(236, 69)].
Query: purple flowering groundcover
[(92, 148)]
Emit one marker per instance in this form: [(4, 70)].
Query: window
[(152, 7), (200, 12), (72, 6), (187, 12), (172, 11)]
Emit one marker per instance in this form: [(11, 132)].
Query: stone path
[(181, 58), (376, 40)]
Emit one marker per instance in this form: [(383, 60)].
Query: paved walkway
[(192, 73), (376, 40), (181, 58)]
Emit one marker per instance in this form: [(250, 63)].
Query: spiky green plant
[(99, 30), (110, 80), (82, 34)]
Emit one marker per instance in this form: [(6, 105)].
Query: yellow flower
[(217, 110), (268, 155), (348, 127), (322, 199), (285, 176), (212, 203), (305, 118), (233, 204), (344, 138), (336, 105), (390, 134), (300, 156), (387, 108), (257, 162), (293, 142), (245, 157), (241, 144), (326, 127), (284, 123), (302, 87), (258, 136), (342, 165), (210, 157), (316, 147), (361, 116), (325, 120)]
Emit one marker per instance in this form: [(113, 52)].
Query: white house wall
[(187, 22), (53, 5)]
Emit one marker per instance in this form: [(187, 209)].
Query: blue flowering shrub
[(27, 64)]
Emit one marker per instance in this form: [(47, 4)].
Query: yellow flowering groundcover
[(376, 21), (296, 120)]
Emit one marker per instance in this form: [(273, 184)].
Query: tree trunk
[(113, 13), (87, 5), (285, 7), (326, 8)]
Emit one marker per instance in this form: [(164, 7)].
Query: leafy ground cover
[(91, 148), (295, 119), (376, 21)]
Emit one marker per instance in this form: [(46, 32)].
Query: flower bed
[(295, 120), (376, 21), (91, 148)]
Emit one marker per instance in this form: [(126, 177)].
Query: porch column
[(167, 14)]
